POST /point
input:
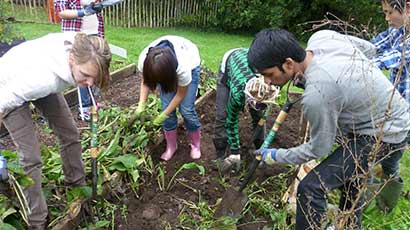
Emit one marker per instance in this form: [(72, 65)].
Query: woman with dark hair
[(173, 64)]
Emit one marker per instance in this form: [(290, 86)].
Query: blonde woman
[(81, 16), (37, 71)]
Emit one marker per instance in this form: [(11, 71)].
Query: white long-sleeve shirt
[(35, 69)]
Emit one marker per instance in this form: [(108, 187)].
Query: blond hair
[(95, 49)]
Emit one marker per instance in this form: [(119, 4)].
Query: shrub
[(254, 15)]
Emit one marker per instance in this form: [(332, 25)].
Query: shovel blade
[(232, 204)]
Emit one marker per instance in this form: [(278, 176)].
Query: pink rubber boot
[(195, 144), (171, 138)]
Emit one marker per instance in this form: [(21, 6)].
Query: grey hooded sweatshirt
[(346, 94)]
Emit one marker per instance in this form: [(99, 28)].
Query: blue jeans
[(186, 107), (85, 97)]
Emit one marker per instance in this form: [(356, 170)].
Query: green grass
[(400, 217), (212, 45), (31, 31)]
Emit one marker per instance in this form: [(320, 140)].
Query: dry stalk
[(25, 209)]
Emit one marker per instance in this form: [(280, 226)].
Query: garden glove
[(160, 118), (268, 155), (89, 9), (232, 162), (140, 109)]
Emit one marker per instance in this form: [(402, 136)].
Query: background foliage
[(7, 32), (254, 15)]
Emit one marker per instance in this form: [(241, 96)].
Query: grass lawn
[(212, 46), (400, 217)]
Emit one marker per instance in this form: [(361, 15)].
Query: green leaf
[(4, 226), (15, 168), (9, 154), (112, 147), (135, 175), (194, 165), (118, 167), (126, 161), (25, 181), (102, 223), (7, 213), (79, 193)]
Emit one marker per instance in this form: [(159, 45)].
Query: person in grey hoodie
[(357, 118)]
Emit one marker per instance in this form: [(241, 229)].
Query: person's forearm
[(144, 90), (232, 124), (68, 14), (181, 92)]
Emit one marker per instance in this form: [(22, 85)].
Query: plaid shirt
[(390, 49), (75, 24), (238, 74)]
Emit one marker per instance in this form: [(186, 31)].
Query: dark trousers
[(20, 125), (346, 169), (222, 97)]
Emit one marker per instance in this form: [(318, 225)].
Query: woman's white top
[(35, 69)]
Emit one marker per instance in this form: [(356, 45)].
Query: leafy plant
[(160, 176), (6, 209), (191, 165), (128, 163), (207, 80)]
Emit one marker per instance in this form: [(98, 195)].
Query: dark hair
[(271, 47), (160, 68), (398, 5)]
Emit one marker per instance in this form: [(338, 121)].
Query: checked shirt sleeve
[(383, 41), (238, 74), (60, 5), (394, 55), (234, 107), (393, 58), (391, 48)]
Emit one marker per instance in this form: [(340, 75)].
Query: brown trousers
[(20, 125)]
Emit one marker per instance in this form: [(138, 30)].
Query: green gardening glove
[(140, 109), (160, 118)]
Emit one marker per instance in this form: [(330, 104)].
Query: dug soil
[(154, 209), (150, 207)]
